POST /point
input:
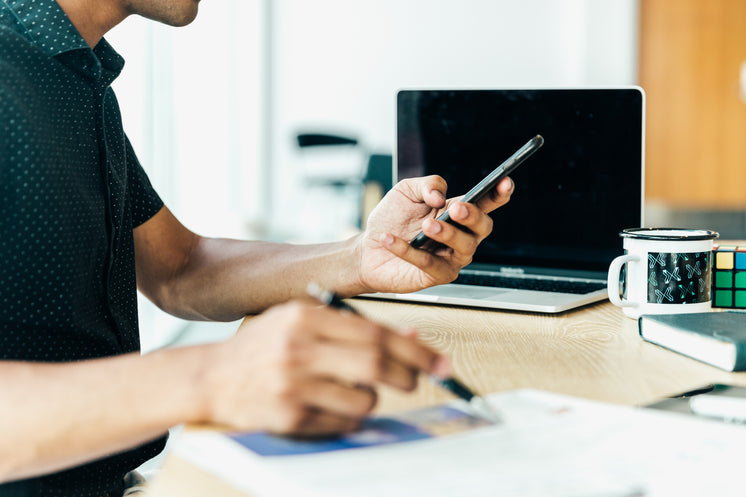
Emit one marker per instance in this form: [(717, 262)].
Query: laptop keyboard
[(538, 284)]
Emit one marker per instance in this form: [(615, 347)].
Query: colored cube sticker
[(741, 280), (740, 299), (724, 260), (724, 279), (723, 298), (740, 259)]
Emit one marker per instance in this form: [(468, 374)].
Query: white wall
[(336, 65), (192, 105), (191, 101)]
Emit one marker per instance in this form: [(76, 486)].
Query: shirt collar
[(47, 25), (49, 28)]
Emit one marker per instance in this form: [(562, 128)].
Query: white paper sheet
[(548, 445)]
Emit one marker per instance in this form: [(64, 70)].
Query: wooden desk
[(595, 353)]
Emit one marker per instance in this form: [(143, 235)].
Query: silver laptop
[(552, 244)]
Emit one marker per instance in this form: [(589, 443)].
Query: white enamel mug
[(666, 271)]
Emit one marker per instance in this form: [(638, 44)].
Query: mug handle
[(612, 285)]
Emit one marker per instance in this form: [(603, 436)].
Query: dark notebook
[(716, 338)]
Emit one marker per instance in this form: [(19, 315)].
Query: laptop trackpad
[(463, 291)]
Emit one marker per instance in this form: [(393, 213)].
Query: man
[(81, 229)]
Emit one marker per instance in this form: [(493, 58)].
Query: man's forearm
[(60, 415), (226, 279)]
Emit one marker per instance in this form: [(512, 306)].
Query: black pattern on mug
[(678, 278)]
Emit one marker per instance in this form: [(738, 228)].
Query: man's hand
[(307, 370), (390, 264)]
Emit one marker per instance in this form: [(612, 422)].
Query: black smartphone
[(482, 188)]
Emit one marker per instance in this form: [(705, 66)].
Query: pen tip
[(485, 410)]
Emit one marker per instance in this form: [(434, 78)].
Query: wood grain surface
[(594, 352)]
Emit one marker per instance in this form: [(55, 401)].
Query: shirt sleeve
[(144, 199)]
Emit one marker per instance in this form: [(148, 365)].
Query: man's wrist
[(350, 271), (193, 369)]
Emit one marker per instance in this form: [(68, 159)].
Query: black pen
[(478, 403)]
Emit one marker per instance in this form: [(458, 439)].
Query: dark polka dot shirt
[(71, 192)]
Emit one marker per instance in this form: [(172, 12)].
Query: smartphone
[(482, 188)]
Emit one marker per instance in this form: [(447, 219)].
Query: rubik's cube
[(729, 276)]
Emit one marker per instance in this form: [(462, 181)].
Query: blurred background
[(215, 109)]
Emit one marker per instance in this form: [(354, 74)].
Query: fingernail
[(410, 333), (432, 226), (386, 239), (441, 367), (438, 193), (460, 211)]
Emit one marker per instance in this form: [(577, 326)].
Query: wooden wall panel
[(691, 55)]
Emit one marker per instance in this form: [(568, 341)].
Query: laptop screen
[(572, 197)]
